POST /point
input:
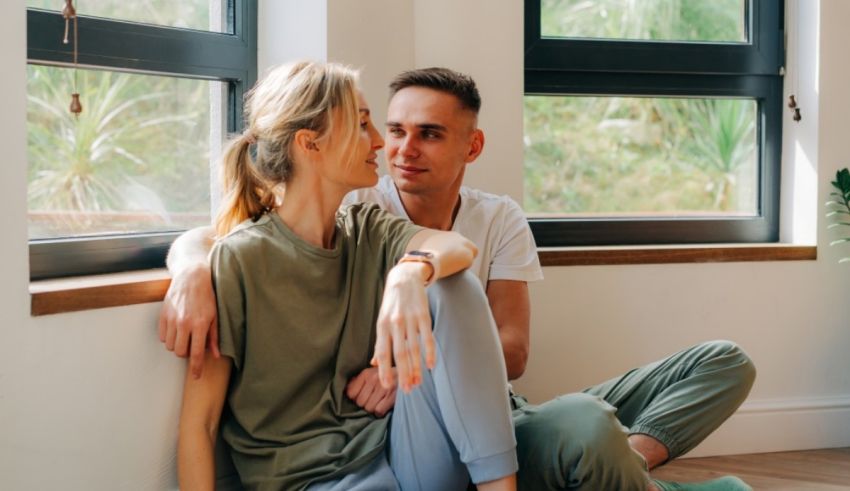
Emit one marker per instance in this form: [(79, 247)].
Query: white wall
[(90, 400), (290, 30)]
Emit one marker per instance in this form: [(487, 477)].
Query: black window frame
[(752, 70), (120, 45)]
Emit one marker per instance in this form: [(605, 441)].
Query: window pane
[(670, 20), (644, 157), (205, 15), (135, 160)]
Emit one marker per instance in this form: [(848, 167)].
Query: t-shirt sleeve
[(389, 232), (230, 299), (515, 257)]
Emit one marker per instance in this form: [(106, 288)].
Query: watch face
[(424, 254)]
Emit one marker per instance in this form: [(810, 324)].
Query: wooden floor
[(811, 470)]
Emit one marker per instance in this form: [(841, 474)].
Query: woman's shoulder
[(248, 235), (358, 210), (368, 225), (358, 216)]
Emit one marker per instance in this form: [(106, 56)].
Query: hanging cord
[(70, 13), (792, 101)]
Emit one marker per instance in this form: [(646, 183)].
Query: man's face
[(430, 139)]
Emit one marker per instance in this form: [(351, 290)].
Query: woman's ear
[(305, 141)]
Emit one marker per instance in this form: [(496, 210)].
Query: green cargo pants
[(580, 441)]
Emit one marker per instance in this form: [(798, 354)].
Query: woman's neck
[(309, 210)]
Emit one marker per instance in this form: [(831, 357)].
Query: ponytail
[(246, 194)]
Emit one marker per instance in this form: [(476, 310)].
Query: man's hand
[(188, 322), (366, 391)]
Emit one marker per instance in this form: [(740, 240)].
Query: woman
[(299, 291)]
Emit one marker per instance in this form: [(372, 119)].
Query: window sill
[(96, 292), (701, 253), (119, 289)]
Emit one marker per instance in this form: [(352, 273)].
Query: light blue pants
[(456, 425), (580, 441)]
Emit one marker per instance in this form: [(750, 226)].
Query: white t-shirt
[(496, 224)]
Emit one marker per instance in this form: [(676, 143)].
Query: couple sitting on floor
[(417, 283)]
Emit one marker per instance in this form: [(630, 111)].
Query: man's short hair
[(443, 80)]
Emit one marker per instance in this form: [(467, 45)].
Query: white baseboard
[(781, 425)]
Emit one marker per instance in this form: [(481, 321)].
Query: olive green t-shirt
[(299, 322)]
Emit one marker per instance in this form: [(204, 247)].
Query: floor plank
[(810, 470)]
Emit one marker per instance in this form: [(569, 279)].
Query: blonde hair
[(289, 98)]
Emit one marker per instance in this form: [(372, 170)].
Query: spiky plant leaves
[(840, 205), (83, 166)]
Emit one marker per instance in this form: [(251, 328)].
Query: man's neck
[(431, 211)]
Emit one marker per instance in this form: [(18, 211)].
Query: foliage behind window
[(135, 160)]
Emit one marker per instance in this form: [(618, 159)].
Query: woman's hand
[(403, 322)]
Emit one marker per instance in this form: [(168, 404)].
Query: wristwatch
[(421, 257)]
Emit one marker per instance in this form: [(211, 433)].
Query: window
[(161, 83), (652, 122)]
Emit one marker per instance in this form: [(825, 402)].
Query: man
[(576, 441)]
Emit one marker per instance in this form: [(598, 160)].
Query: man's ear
[(476, 145), (305, 141)]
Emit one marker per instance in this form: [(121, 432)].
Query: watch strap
[(426, 257)]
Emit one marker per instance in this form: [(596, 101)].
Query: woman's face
[(361, 170)]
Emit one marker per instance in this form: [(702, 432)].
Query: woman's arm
[(404, 320), (203, 399), (452, 252)]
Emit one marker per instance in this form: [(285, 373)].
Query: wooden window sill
[(701, 253), (96, 292), (114, 290)]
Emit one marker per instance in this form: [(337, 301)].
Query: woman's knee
[(459, 305), (462, 288), (467, 339)]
